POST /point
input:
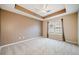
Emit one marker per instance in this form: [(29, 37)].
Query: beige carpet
[(40, 46)]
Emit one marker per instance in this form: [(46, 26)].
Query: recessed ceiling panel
[(43, 9)]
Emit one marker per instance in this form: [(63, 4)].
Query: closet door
[(55, 29)]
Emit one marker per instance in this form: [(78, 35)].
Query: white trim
[(18, 42)]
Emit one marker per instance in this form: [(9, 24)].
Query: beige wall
[(0, 25), (70, 27), (15, 27), (78, 28), (44, 28)]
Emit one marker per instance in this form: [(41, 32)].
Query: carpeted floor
[(40, 46)]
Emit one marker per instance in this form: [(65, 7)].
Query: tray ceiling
[(43, 9)]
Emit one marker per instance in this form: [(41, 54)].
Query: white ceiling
[(42, 9)]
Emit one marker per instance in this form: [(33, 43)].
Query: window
[(55, 27)]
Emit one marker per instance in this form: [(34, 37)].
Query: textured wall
[(78, 28), (70, 27), (15, 27), (44, 29)]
